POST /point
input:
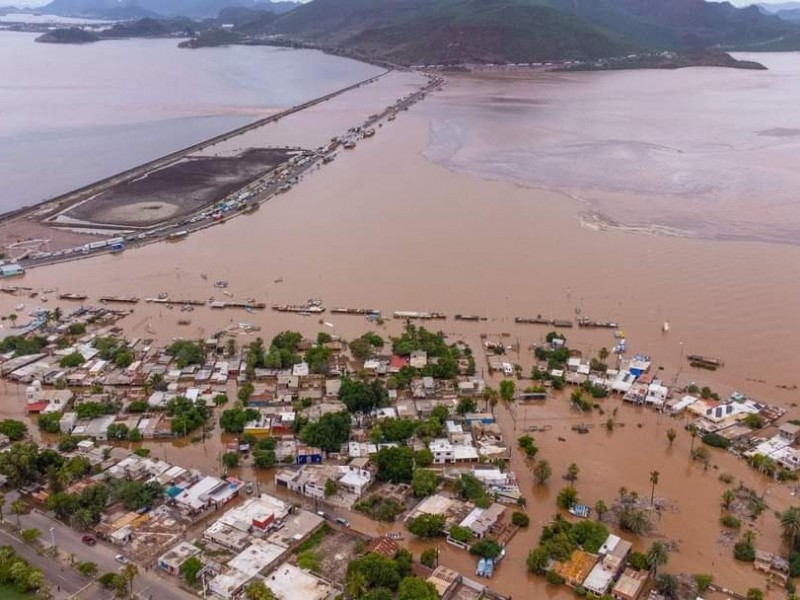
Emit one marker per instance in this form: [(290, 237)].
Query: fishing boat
[(665, 327)]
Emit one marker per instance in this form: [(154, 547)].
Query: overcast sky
[(42, 2)]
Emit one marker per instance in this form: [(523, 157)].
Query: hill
[(132, 9), (444, 31)]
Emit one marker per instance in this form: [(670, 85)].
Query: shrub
[(520, 519), (554, 578), (716, 440), (744, 551), (730, 522)]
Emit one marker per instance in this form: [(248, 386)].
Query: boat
[(412, 314), (222, 284), (19, 307), (579, 510), (72, 296), (665, 327), (120, 299), (394, 536), (460, 317), (708, 360), (178, 235)]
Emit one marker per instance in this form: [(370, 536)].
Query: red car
[(88, 540)]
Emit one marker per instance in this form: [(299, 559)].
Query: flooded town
[(476, 330)]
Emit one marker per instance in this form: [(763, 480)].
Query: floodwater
[(83, 112), (383, 226), (694, 152)]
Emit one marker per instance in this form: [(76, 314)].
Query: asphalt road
[(148, 584)]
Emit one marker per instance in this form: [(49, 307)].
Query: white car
[(121, 559)]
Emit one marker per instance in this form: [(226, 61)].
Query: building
[(481, 520), (612, 555), (630, 585), (171, 561), (444, 451), (289, 582), (789, 432), (256, 514), (575, 571)]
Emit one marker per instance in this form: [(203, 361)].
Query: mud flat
[(179, 189)]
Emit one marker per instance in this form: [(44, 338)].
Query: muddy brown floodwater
[(384, 227)]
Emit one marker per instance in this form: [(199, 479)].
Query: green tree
[(692, 429), (362, 397), (231, 459), (427, 526), (755, 593), (486, 548), (466, 405), (633, 520), (537, 561), (429, 558), (703, 582), (88, 569), (331, 487), (424, 482), (29, 536), (258, 590), (520, 519), (423, 458), (414, 588), (567, 497), (507, 390), (572, 473), (527, 445), (19, 507), (395, 464), (190, 568), (329, 433), (542, 471), (71, 360), (15, 430), (657, 556)]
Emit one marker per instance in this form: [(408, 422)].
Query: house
[(612, 555), (446, 452), (256, 514), (354, 480), (289, 582), (630, 584), (575, 570), (789, 432), (307, 455), (418, 359), (171, 561), (481, 520)]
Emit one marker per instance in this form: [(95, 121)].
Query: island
[(69, 35)]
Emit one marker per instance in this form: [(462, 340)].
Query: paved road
[(147, 584)]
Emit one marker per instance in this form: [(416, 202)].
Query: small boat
[(665, 327), (221, 284), (579, 510)]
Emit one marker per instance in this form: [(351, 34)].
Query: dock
[(238, 304), (589, 323), (168, 300), (356, 311), (563, 323), (298, 308), (120, 299), (425, 316)]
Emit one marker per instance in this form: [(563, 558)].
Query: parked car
[(121, 559), (88, 540), (342, 521), (322, 514)]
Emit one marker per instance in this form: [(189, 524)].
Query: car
[(322, 514), (342, 521), (88, 540), (121, 559)]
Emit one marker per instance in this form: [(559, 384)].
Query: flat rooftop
[(291, 583)]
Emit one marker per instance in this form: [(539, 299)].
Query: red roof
[(398, 362), (36, 407)]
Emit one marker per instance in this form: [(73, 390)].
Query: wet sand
[(384, 227)]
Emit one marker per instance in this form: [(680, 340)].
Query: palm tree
[(748, 537), (129, 571), (623, 493), (491, 397), (603, 354), (790, 524), (692, 432), (2, 504), (633, 520), (18, 507), (657, 556), (600, 508), (728, 496), (671, 435), (356, 585), (653, 483), (667, 585)]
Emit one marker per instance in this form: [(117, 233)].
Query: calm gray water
[(72, 114)]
